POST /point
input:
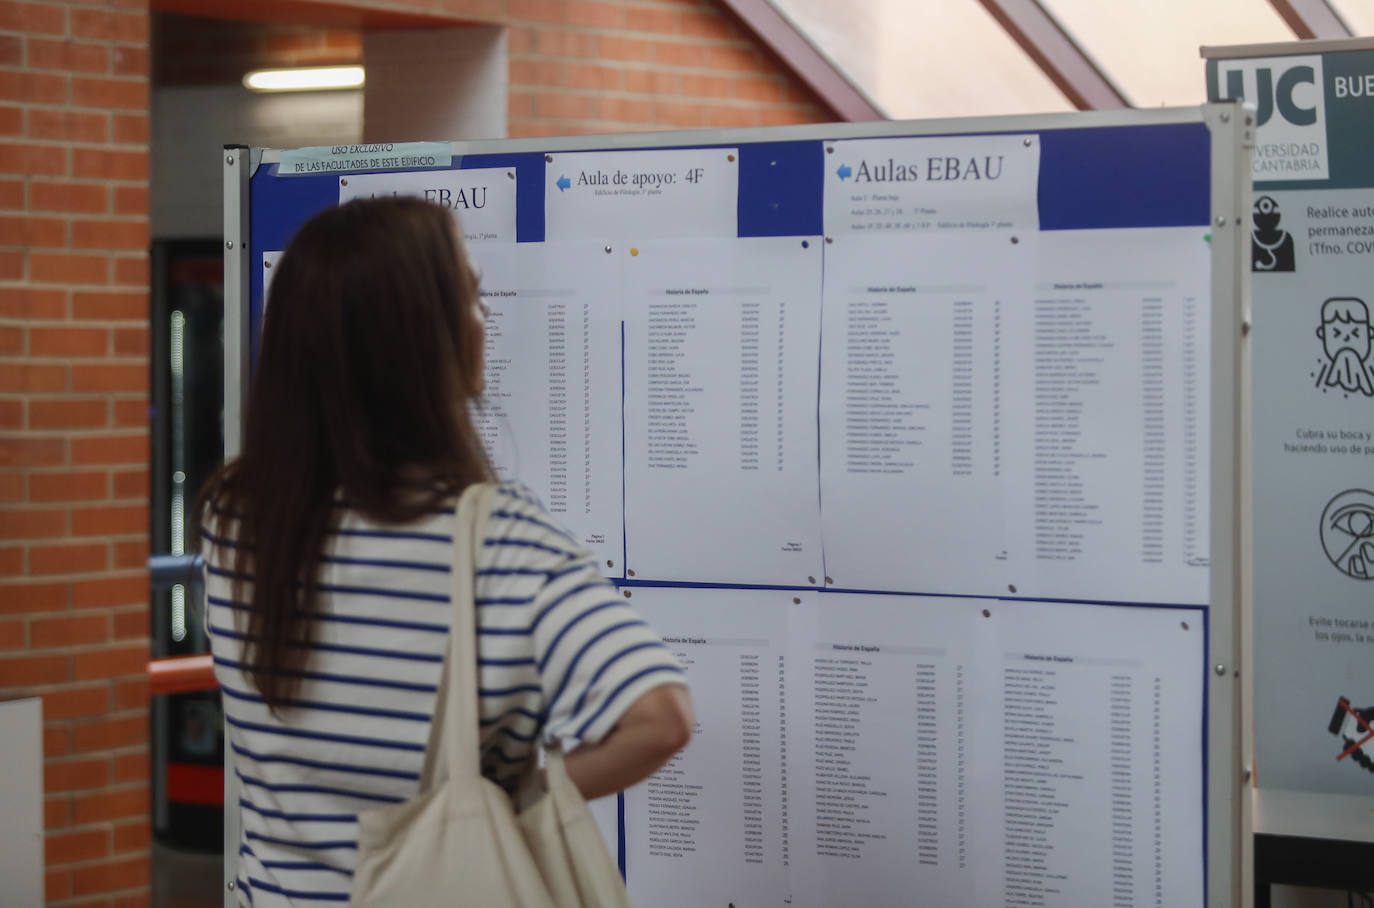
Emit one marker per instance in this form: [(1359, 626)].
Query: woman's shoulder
[(519, 518)]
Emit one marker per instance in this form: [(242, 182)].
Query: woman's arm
[(656, 726)]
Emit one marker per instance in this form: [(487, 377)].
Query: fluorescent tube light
[(316, 78)]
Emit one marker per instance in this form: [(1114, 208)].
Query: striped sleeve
[(593, 654)]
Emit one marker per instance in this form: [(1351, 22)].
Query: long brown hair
[(371, 352)]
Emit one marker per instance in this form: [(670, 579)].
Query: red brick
[(110, 662), (108, 734), (131, 129), (131, 553), (115, 875), (676, 114), (33, 524), (131, 694), (12, 634), (131, 270), (11, 484), (110, 521), (76, 702), (74, 775), (67, 559), (135, 836), (110, 377), (11, 340), (110, 234), (11, 561), (653, 19), (71, 847), (708, 86), (595, 78), (109, 306), (131, 341), (100, 25), (130, 200), (131, 625), (11, 191), (110, 805), (734, 58), (66, 268), (80, 413), (80, 485), (57, 812), (110, 449), (33, 17), (653, 81), (553, 43), (69, 630), (708, 24), (132, 767), (569, 107), (751, 88), (143, 899), (11, 266), (129, 61), (11, 120), (537, 72), (84, 198), (33, 597), (28, 378), (57, 740), (586, 14), (722, 116), (28, 230), (105, 164), (33, 88), (110, 591), (68, 56), (11, 414), (32, 452), (110, 94), (613, 48), (33, 159), (69, 125), (677, 54), (131, 414), (628, 110), (68, 341), (29, 671), (553, 12), (57, 885), (131, 484)]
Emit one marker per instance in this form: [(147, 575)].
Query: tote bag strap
[(454, 744)]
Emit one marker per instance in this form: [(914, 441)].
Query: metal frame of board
[(1232, 136)]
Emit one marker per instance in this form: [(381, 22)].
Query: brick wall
[(74, 324), (73, 436)]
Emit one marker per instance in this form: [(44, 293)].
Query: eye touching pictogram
[(1347, 533)]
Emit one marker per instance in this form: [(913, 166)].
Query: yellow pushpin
[(634, 251)]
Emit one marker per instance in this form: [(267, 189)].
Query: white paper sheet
[(638, 196), (481, 199), (269, 261), (552, 414), (913, 406), (968, 184), (1108, 467), (710, 827), (950, 757), (882, 718), (720, 403)]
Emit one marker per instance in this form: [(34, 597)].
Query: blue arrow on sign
[(844, 172), (563, 183)]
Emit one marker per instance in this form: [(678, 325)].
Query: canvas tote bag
[(460, 841)]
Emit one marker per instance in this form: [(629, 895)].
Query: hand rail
[(166, 571), (181, 675)]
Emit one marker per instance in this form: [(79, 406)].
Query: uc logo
[(1270, 95)]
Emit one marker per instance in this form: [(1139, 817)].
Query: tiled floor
[(186, 879)]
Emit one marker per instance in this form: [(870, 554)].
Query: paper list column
[(671, 386), (557, 315)]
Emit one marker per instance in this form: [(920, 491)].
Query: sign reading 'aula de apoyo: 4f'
[(1312, 245)]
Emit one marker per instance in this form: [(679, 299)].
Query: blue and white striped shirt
[(561, 654)]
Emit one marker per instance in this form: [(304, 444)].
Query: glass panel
[(1358, 14), (1149, 48), (946, 59)]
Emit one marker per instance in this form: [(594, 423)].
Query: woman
[(328, 544)]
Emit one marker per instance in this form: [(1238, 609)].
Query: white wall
[(435, 84), (21, 803), (191, 124)]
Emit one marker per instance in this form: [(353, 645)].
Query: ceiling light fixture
[(315, 78)]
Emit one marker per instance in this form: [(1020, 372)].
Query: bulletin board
[(916, 441)]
